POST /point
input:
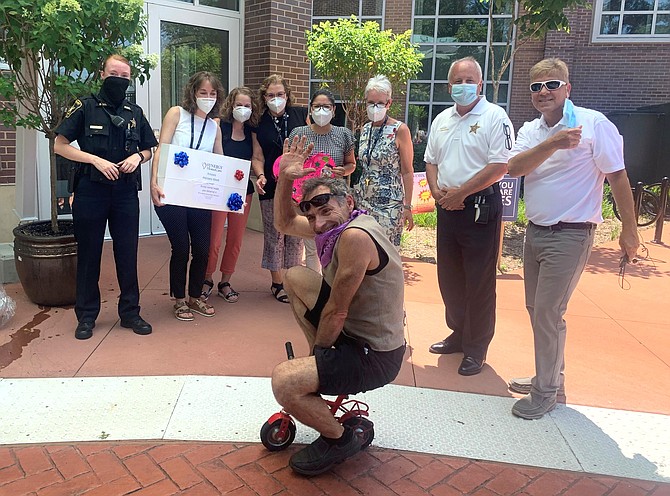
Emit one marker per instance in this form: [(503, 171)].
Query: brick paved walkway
[(203, 469)]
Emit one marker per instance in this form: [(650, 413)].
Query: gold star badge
[(473, 129)]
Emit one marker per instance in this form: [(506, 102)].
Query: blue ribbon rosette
[(235, 202), (181, 159)]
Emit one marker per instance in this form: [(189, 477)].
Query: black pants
[(466, 273), (187, 227), (95, 204)]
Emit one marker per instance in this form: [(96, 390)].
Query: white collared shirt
[(461, 146), (568, 186)]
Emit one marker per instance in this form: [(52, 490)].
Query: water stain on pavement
[(11, 351)]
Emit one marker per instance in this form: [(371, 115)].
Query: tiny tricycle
[(279, 431)]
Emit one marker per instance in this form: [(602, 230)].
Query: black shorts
[(351, 366)]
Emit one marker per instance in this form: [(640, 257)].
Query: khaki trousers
[(553, 261)]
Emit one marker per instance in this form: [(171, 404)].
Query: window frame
[(598, 13)]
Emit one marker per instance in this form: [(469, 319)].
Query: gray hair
[(379, 83), (465, 59), (337, 187)]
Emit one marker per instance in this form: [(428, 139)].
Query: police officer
[(114, 139)]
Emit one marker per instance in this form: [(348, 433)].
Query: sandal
[(231, 296), (207, 288), (182, 311), (200, 307), (278, 292)]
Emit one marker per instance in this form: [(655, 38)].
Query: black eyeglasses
[(317, 201), (552, 85), (322, 106)]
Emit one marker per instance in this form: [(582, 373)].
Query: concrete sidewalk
[(618, 360)]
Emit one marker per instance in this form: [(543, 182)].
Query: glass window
[(663, 24), (372, 7), (222, 4), (636, 24), (632, 20), (424, 31), (463, 7), (419, 92), (186, 50), (425, 7), (341, 8), (462, 30), (441, 93)]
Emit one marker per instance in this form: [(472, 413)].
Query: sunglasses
[(552, 85), (317, 201)]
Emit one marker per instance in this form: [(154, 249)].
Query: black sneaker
[(321, 455)]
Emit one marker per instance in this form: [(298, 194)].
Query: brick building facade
[(608, 77), (7, 155)]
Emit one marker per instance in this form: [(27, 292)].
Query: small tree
[(54, 49), (531, 20), (349, 53)]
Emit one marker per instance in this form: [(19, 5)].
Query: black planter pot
[(46, 263)]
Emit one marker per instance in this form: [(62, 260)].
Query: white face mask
[(277, 104), (241, 114), (205, 104), (376, 114), (322, 117)]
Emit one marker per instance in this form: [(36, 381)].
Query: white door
[(187, 39)]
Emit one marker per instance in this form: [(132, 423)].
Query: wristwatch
[(141, 157), (407, 206)]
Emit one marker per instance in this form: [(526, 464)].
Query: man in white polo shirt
[(565, 156), (466, 155)]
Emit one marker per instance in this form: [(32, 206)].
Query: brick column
[(274, 43)]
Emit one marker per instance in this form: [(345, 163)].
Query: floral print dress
[(380, 189)]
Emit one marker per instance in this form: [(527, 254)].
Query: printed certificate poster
[(193, 178)]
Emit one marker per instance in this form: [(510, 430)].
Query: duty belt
[(559, 226), (485, 192)]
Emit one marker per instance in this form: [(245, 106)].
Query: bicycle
[(279, 431), (650, 207)]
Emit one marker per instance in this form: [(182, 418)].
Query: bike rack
[(658, 232), (637, 198)]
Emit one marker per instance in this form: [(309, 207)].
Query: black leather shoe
[(470, 366), (138, 325), (446, 347), (84, 330)]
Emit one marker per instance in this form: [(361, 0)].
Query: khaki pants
[(553, 261)]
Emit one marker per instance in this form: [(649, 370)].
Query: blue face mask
[(464, 94)]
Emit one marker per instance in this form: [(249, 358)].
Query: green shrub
[(608, 207), (428, 219), (521, 219)]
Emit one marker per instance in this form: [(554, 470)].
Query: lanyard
[(202, 131), (282, 129), (372, 144)]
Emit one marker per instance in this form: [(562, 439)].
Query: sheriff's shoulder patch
[(75, 106)]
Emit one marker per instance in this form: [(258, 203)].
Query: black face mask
[(114, 89)]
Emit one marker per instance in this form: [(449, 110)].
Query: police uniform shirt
[(87, 123), (568, 186), (461, 146)]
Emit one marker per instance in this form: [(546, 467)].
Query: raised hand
[(293, 158)]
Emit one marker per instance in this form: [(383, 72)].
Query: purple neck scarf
[(325, 242)]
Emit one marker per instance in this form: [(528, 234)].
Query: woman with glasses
[(334, 141), (239, 119), (279, 117), (386, 154), (193, 124)]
